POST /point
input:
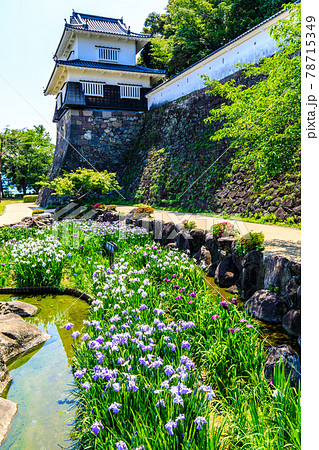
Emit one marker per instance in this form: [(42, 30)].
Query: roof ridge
[(112, 19)]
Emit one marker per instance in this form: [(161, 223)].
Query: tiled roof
[(102, 25), (108, 66)]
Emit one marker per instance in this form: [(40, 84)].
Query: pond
[(42, 379)]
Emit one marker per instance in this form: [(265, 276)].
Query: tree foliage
[(191, 29), (263, 121), (27, 156), (82, 181)]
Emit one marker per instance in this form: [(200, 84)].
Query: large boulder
[(252, 275), (277, 273), (267, 306), (283, 354), (108, 216), (211, 245), (197, 240), (183, 240), (225, 245), (5, 377), (18, 336), (169, 233), (203, 258), (226, 273), (21, 308), (8, 410), (146, 223), (292, 297), (291, 323)]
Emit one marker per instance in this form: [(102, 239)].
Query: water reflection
[(42, 379)]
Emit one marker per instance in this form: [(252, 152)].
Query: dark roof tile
[(102, 25), (108, 66)]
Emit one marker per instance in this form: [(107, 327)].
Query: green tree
[(27, 156), (82, 181), (191, 29), (263, 121)]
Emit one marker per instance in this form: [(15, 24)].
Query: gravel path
[(283, 241)]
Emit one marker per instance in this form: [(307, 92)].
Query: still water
[(42, 380)]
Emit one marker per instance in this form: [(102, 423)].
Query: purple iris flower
[(200, 421), (115, 407), (75, 334), (120, 445), (86, 386), (224, 304), (168, 370), (68, 326), (96, 427), (169, 427), (185, 344)]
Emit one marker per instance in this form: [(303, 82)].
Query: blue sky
[(30, 33)]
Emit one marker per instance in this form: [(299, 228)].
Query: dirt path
[(14, 212)]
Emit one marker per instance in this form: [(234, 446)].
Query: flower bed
[(162, 364)]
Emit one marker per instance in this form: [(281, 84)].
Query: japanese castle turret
[(100, 95), (95, 66)]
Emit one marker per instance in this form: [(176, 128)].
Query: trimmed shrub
[(30, 198), (38, 211)]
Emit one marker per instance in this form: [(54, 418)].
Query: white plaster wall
[(77, 74), (250, 48), (88, 52)]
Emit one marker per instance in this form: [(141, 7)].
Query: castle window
[(127, 91), (92, 88), (109, 54), (58, 101)]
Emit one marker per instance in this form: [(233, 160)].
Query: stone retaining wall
[(94, 139)]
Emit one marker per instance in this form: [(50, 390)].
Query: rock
[(298, 302), (169, 233), (171, 245), (281, 214), (233, 290), (252, 275), (291, 296), (130, 217), (277, 273), (291, 323), (226, 244), (8, 410), (146, 223), (283, 354), (297, 210), (212, 269), (158, 230), (22, 309), (5, 377), (295, 268), (197, 240), (183, 240), (203, 258), (108, 216), (211, 245), (267, 306), (18, 336), (226, 273)]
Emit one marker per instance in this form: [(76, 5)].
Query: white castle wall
[(249, 48)]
